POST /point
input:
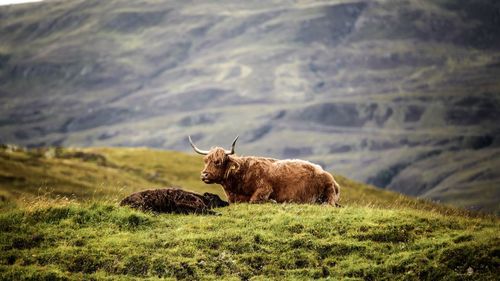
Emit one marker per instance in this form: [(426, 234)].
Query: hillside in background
[(399, 94)]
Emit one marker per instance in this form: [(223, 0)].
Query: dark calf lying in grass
[(173, 200)]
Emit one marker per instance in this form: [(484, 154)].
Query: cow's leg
[(242, 198), (261, 194), (230, 197), (236, 198), (332, 193)]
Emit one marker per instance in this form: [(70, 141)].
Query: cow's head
[(216, 162), (213, 200)]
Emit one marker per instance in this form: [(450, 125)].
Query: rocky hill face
[(401, 94)]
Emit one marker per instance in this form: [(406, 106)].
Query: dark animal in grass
[(173, 200), (259, 179)]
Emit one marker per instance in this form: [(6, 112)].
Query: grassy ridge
[(77, 232), (103, 241)]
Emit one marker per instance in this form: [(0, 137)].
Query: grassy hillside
[(76, 230), (86, 174), (95, 173), (348, 83)]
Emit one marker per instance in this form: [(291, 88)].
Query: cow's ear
[(234, 166), (231, 168)]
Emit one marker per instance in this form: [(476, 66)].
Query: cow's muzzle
[(205, 178)]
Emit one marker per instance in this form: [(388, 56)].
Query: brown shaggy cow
[(173, 200), (258, 179)]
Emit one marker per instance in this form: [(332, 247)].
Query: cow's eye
[(217, 163)]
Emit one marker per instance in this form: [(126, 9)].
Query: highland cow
[(173, 200), (258, 179)]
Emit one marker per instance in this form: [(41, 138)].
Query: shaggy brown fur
[(173, 200), (257, 179)]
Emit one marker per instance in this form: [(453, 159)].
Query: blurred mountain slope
[(400, 94)]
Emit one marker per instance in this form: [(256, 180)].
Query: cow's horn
[(232, 147), (199, 151)]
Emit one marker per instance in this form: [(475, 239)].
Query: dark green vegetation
[(73, 229), (262, 242), (402, 94)]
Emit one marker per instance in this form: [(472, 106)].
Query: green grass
[(377, 235), (282, 241)]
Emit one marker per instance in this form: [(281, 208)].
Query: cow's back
[(299, 181), (295, 181)]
